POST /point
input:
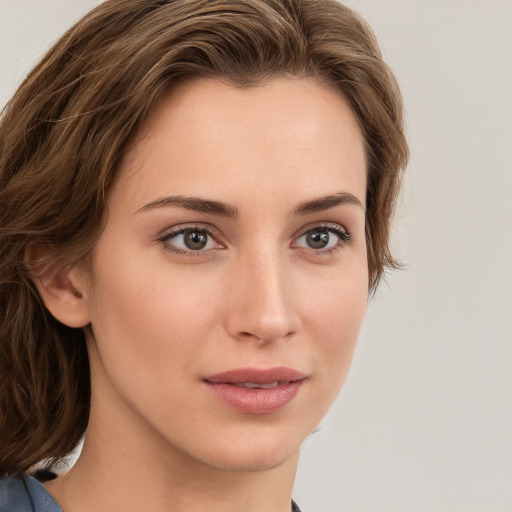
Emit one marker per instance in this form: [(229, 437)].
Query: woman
[(195, 202)]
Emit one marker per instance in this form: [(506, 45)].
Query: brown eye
[(195, 240), (192, 240), (318, 239), (323, 238)]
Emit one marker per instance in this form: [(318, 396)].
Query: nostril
[(263, 338)]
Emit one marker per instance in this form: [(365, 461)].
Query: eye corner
[(190, 240), (323, 239)]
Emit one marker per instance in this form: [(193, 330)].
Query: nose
[(262, 305)]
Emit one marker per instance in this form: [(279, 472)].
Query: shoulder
[(22, 493)]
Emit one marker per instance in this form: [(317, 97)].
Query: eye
[(323, 238), (189, 240)]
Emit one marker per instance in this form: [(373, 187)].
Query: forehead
[(209, 137)]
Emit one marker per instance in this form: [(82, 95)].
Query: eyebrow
[(195, 204), (212, 207), (325, 203)]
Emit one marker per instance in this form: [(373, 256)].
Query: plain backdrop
[(424, 422)]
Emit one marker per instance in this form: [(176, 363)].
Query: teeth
[(252, 385)]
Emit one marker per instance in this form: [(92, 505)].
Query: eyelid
[(174, 231), (335, 226), (339, 230)]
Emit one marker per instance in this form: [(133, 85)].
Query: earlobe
[(64, 290)]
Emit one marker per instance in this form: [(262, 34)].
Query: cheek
[(150, 312), (334, 319), (150, 327)]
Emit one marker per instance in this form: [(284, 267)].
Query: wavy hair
[(64, 131)]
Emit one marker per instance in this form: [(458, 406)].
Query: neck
[(97, 483)]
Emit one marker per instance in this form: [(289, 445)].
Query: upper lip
[(256, 375)]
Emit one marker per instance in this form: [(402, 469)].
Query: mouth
[(253, 385), (256, 391)]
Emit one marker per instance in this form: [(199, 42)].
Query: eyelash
[(343, 235), (164, 239)]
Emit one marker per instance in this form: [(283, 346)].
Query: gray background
[(424, 422)]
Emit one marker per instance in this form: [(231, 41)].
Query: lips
[(256, 391)]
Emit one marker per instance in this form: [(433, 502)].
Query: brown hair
[(64, 132)]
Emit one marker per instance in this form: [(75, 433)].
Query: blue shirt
[(23, 493)]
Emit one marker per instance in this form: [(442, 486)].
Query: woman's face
[(229, 285)]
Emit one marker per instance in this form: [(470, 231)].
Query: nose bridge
[(262, 296)]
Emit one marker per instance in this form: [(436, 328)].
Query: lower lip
[(256, 401)]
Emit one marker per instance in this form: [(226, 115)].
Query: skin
[(258, 295)]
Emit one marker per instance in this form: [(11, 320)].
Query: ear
[(64, 290)]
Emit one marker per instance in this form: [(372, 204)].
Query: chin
[(251, 451), (250, 462)]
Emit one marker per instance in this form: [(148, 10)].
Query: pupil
[(195, 241), (318, 239)]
